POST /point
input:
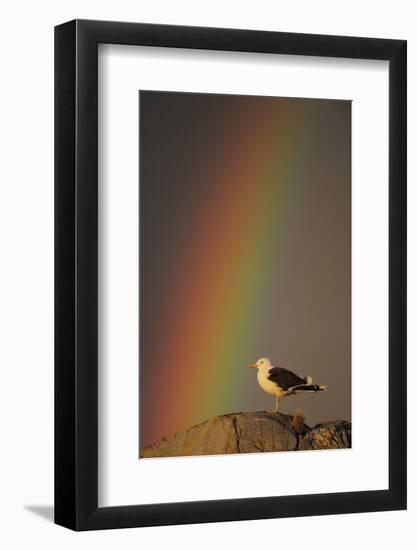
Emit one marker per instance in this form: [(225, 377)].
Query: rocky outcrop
[(251, 433)]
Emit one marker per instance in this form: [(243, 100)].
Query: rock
[(252, 432), (328, 435)]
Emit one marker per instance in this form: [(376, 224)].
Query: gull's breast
[(267, 385)]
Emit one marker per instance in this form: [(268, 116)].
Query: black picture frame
[(76, 272)]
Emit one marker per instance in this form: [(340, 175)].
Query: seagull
[(282, 382)]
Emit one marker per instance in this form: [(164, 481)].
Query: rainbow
[(222, 285)]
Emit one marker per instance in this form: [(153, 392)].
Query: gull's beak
[(253, 366)]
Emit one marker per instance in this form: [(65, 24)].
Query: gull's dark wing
[(284, 378)]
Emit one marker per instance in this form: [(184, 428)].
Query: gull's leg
[(276, 404)]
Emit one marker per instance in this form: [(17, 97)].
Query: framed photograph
[(228, 199)]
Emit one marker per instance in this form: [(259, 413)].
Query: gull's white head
[(263, 363)]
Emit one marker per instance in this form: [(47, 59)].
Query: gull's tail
[(309, 387)]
